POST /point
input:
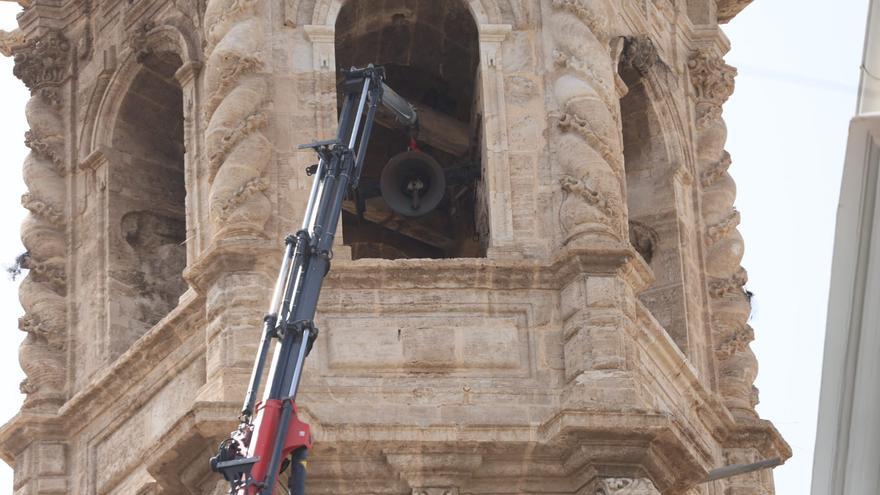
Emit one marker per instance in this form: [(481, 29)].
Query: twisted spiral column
[(587, 161), (588, 152), (713, 82), (42, 64), (237, 149)]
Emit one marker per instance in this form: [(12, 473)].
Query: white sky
[(798, 66)]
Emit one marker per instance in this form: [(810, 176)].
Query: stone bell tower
[(570, 319)]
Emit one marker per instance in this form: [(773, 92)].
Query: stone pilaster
[(596, 312), (588, 154), (42, 64), (737, 366), (41, 468)]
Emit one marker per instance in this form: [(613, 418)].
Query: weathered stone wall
[(600, 345)]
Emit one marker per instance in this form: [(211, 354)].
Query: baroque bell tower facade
[(570, 319)]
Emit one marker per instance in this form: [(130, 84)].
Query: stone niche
[(146, 203)]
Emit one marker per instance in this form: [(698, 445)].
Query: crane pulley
[(270, 437)]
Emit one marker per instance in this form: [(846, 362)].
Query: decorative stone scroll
[(588, 150), (713, 83), (42, 64), (237, 92)]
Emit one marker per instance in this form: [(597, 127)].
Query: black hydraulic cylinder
[(296, 484)]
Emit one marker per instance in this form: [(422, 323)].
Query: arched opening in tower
[(146, 202), (654, 229), (430, 52)]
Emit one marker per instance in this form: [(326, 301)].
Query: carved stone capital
[(41, 63), (626, 486), (713, 79)]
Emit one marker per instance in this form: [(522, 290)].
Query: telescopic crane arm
[(269, 434)]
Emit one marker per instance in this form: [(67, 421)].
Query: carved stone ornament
[(41, 63), (137, 39), (581, 188), (644, 239), (435, 491), (736, 342), (713, 79), (597, 23), (640, 53), (626, 486), (9, 40), (722, 229), (719, 288), (716, 170)]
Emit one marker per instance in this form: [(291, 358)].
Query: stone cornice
[(473, 273), (760, 435), (728, 9), (26, 426), (502, 273), (108, 386), (137, 361)]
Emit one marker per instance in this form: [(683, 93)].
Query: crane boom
[(270, 435)]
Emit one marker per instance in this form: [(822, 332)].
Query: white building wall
[(847, 459)]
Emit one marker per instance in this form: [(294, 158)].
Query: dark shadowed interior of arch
[(430, 51), (654, 230), (146, 223)]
